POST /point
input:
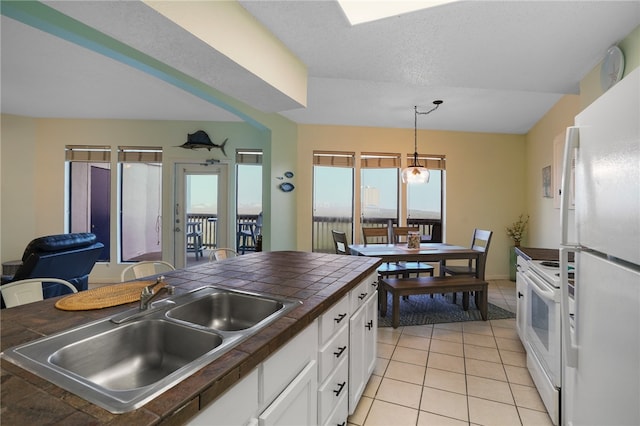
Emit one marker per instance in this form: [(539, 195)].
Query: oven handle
[(540, 288), (568, 335)]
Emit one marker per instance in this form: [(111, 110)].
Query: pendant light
[(415, 173)]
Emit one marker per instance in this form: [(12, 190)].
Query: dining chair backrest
[(145, 269), (480, 241), (340, 242), (375, 235), (29, 290), (401, 233), (222, 253)]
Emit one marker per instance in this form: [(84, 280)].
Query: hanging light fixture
[(415, 173)]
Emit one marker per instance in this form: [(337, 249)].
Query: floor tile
[(400, 393), (466, 373), (444, 403), (527, 397), (485, 412), (430, 419), (405, 372), (481, 353), (518, 375), (534, 418), (446, 347), (494, 390), (446, 362), (385, 414), (490, 370), (412, 356), (446, 380), (448, 335), (414, 342)]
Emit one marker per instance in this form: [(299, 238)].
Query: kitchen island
[(318, 280)]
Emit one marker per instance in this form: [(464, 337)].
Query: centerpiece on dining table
[(413, 240)]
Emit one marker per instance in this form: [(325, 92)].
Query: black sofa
[(70, 257)]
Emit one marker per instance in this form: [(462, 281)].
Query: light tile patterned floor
[(471, 373)]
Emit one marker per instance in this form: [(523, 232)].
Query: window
[(140, 170), (88, 174), (379, 183), (332, 198), (425, 201)]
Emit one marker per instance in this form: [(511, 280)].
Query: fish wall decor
[(200, 139)]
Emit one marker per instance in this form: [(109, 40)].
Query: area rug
[(422, 309)]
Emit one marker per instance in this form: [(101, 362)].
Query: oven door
[(542, 329)]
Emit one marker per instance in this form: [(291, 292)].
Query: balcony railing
[(322, 226), (431, 229)]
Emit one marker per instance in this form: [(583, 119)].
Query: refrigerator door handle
[(571, 142), (568, 335)]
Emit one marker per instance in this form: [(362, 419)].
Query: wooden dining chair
[(480, 241), (404, 269), (400, 235), (340, 242)]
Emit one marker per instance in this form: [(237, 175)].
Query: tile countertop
[(318, 279), (531, 253)]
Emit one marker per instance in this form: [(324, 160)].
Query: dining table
[(427, 252)]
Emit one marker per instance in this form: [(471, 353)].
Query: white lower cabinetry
[(280, 391), (315, 379), (362, 357)]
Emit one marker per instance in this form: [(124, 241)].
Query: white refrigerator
[(601, 319)]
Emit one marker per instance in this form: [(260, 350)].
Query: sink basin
[(227, 311), (122, 362), (136, 354)]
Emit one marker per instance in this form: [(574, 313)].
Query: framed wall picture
[(546, 182)]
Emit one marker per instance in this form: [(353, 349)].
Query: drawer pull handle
[(369, 325), (375, 284), (340, 351), (341, 424), (340, 387), (340, 318), (362, 296)]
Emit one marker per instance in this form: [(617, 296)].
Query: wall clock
[(612, 68)]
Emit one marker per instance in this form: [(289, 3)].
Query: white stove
[(550, 270)]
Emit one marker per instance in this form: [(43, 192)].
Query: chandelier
[(415, 173)]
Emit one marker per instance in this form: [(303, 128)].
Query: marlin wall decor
[(200, 139)]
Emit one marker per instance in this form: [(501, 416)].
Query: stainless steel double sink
[(123, 361)]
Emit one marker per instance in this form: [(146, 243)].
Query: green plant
[(517, 229)]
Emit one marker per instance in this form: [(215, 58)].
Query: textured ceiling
[(499, 66)]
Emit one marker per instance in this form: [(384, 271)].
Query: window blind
[(379, 160), (249, 156), (333, 158), (88, 153), (140, 154)]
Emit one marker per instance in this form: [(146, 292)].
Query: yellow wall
[(484, 178)]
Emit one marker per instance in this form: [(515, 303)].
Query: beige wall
[(544, 230), (484, 179)]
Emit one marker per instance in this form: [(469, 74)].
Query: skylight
[(361, 11)]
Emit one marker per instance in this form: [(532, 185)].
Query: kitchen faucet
[(148, 295)]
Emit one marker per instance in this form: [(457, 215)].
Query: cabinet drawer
[(363, 291), (340, 414), (333, 353), (332, 391), (332, 320)]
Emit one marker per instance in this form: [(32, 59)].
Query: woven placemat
[(104, 297)]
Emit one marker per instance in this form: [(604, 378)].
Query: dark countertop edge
[(184, 400)]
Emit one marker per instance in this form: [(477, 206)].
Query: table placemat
[(104, 297)]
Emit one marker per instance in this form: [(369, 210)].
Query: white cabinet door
[(297, 404), (362, 341)]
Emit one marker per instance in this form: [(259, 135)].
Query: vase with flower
[(516, 232)]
